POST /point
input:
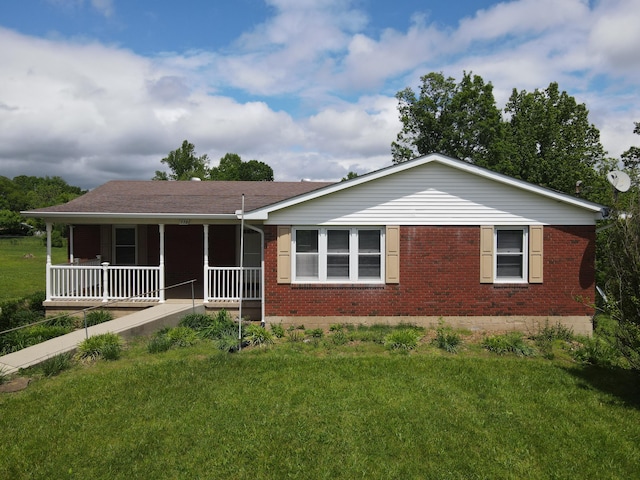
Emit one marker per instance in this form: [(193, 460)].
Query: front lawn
[(22, 265), (323, 410)]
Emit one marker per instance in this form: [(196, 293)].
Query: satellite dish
[(620, 180)]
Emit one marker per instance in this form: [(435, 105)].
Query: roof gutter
[(133, 216)]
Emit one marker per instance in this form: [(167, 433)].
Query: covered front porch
[(142, 263)]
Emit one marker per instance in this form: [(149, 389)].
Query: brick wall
[(439, 276)]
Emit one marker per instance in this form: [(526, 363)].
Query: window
[(338, 254), (511, 254), (125, 245)]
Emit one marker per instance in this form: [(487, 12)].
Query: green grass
[(321, 410), (23, 261)]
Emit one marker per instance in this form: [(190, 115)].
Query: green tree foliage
[(232, 167), (621, 251), (459, 120), (631, 158), (544, 138), (184, 164), (618, 258), (551, 142)]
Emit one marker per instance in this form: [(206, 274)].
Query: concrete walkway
[(138, 323)]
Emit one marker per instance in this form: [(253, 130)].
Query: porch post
[(206, 263), (48, 266), (71, 244), (162, 296)]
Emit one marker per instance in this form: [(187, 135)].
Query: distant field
[(22, 265)]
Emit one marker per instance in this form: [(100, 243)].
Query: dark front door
[(183, 258)]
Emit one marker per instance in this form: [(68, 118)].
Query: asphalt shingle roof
[(182, 197)]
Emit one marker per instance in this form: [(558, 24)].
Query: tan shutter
[(284, 254), (486, 254), (535, 253), (392, 254)]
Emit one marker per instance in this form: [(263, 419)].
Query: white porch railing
[(224, 283), (103, 282)]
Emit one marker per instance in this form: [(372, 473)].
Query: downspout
[(262, 299), (241, 289)]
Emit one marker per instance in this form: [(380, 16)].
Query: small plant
[(159, 343), (277, 329), (196, 321), (258, 336), (597, 351), (227, 342), (220, 325), (447, 339), (95, 317), (339, 338), (336, 327), (315, 333), (182, 336), (54, 365), (295, 336), (405, 339), (512, 342), (3, 376), (63, 320), (106, 345)]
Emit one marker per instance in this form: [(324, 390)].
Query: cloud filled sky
[(96, 90)]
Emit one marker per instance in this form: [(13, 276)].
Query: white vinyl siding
[(337, 255), (432, 194)]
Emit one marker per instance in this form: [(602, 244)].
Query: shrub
[(258, 336), (63, 320), (554, 332), (277, 330), (597, 351), (512, 342), (220, 325), (28, 336), (196, 321), (54, 365), (227, 341), (405, 339), (182, 336), (94, 317), (339, 338), (447, 339), (106, 345), (295, 336), (315, 333), (159, 343)]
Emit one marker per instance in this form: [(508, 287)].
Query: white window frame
[(115, 244), (323, 255), (524, 254)]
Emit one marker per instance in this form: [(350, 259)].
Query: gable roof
[(162, 199), (262, 213)]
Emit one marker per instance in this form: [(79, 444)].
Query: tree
[(459, 120), (349, 176), (551, 143), (231, 167), (184, 164), (631, 158)]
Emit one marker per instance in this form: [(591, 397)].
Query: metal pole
[(193, 298), (241, 276)]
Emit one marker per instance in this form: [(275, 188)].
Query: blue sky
[(94, 90)]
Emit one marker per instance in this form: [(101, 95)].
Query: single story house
[(429, 239)]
